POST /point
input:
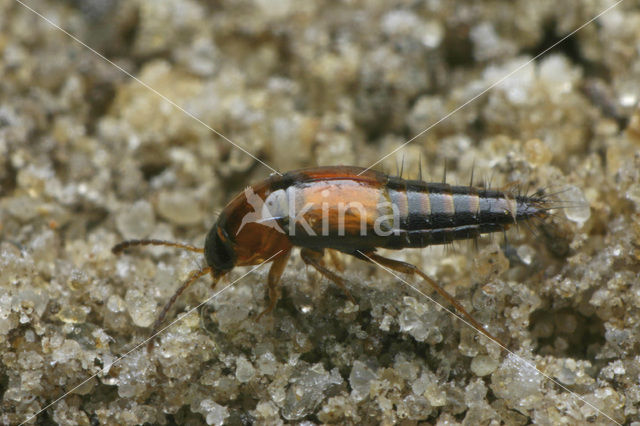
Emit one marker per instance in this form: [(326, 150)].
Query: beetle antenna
[(122, 246), (193, 277)]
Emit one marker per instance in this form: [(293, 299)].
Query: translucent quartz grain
[(136, 221), (578, 209)]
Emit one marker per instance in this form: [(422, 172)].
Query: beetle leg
[(335, 259), (275, 273), (409, 269), (314, 258)]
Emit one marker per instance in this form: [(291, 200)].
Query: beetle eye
[(223, 253), (218, 251)]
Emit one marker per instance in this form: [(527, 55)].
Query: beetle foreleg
[(275, 273)]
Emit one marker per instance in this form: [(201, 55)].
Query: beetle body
[(338, 208), (351, 210)]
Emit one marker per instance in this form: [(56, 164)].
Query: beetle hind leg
[(314, 258), (409, 269)]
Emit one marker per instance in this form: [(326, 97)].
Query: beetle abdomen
[(336, 207), (438, 213)]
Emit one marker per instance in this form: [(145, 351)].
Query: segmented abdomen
[(349, 208), (438, 213)]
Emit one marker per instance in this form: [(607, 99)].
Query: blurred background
[(90, 156)]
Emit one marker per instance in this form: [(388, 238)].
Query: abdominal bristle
[(543, 198), (548, 226)]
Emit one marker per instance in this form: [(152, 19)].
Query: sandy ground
[(90, 156)]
